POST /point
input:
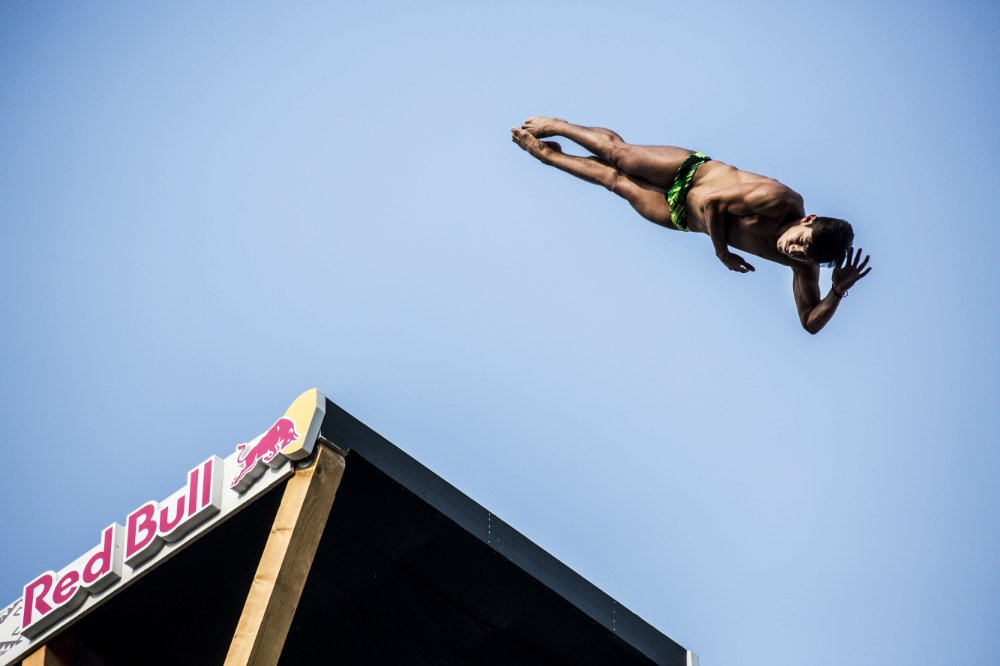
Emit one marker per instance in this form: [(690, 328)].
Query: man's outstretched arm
[(815, 312)]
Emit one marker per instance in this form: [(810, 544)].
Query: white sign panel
[(152, 533)]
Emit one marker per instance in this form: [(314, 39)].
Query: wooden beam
[(57, 652), (284, 566)]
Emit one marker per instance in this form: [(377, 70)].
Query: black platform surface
[(454, 582)]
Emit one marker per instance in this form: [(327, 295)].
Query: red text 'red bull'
[(51, 595)]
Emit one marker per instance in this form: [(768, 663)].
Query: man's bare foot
[(541, 127), (530, 143)]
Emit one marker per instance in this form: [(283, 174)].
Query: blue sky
[(206, 208)]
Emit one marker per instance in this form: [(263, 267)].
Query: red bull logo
[(265, 449), (155, 531)]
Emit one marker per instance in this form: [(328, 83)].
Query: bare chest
[(759, 238), (756, 234)]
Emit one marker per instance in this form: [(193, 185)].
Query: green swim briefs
[(677, 194)]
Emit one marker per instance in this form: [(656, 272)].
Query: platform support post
[(284, 565), (56, 652)]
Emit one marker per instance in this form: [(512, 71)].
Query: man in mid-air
[(686, 190)]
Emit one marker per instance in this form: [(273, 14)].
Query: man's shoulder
[(774, 189), (774, 195)]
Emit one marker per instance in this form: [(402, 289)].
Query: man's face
[(795, 242)]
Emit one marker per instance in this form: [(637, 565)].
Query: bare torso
[(753, 233)]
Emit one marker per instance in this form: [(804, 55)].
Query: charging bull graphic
[(263, 449)]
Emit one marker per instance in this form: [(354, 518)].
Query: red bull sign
[(155, 531)]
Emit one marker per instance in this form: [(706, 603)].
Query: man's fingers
[(857, 258), (865, 262), (735, 262), (851, 281)]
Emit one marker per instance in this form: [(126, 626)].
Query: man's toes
[(520, 137), (539, 126), (532, 125)]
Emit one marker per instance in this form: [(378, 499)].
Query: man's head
[(817, 240)]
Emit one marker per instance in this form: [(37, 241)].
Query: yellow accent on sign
[(307, 413)]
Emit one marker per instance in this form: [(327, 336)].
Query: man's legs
[(656, 164), (647, 199)]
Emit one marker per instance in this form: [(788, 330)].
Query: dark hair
[(831, 238)]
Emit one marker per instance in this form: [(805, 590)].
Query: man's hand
[(735, 262), (845, 275)]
